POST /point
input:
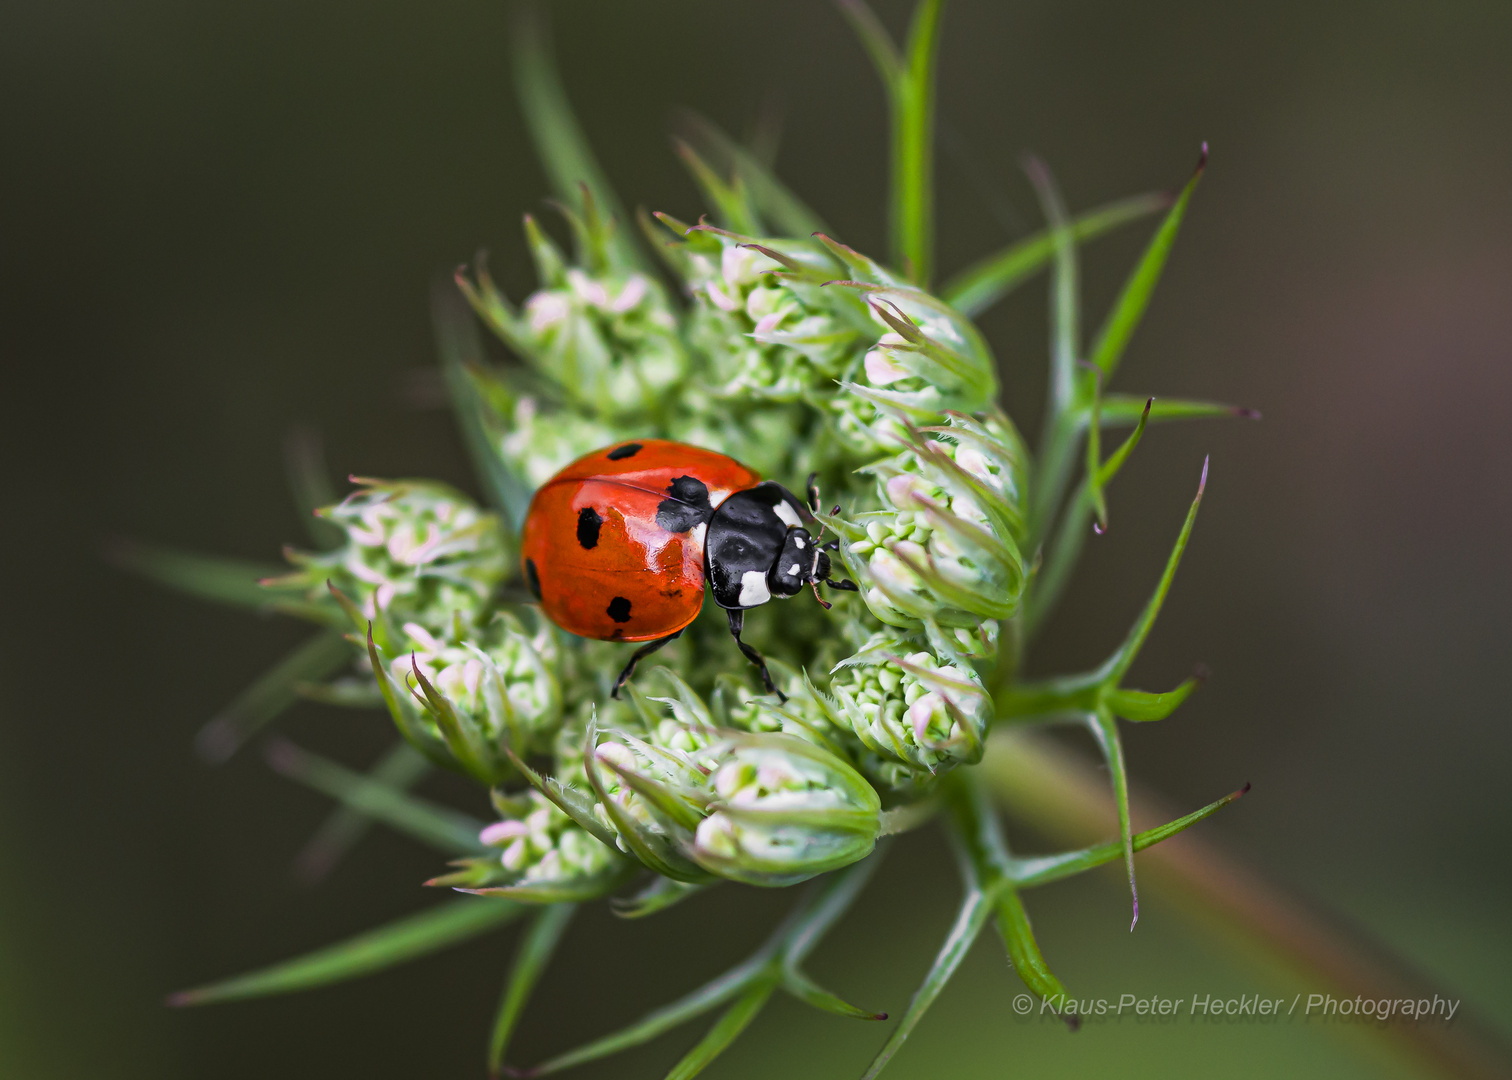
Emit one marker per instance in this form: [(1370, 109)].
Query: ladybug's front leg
[(737, 624), (639, 655)]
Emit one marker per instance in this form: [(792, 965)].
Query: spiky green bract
[(438, 826), (534, 953), (777, 964), (1096, 699), (260, 703), (908, 76), (404, 939), (397, 770)]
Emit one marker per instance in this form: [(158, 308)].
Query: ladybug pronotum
[(619, 544)]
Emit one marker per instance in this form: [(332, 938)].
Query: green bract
[(762, 337)]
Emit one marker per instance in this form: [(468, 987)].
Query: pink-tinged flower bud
[(784, 810)]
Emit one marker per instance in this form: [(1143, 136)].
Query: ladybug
[(619, 544)]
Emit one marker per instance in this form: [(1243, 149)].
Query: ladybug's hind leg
[(737, 624), (639, 655)]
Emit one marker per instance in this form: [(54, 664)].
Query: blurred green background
[(221, 221)]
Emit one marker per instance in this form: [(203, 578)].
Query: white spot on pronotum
[(786, 515), (753, 589), (798, 543), (717, 496), (793, 570)]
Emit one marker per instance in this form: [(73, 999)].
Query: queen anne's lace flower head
[(796, 355)]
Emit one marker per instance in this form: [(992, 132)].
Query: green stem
[(913, 147)]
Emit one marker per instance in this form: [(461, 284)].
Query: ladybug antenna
[(820, 572)]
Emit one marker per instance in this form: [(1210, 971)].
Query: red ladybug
[(617, 546)]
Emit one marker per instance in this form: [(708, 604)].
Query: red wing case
[(613, 544)]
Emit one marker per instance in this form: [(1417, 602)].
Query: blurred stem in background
[(1063, 796)]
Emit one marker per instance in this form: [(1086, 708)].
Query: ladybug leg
[(812, 490), (639, 655), (737, 624), (843, 585)]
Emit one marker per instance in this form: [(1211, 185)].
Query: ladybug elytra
[(619, 545)]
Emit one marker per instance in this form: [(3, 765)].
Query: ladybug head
[(804, 562), (799, 564)]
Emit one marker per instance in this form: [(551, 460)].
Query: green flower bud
[(946, 546), (609, 341), (911, 708), (537, 842), (765, 336), (781, 810), (927, 361), (501, 679), (417, 551), (665, 801), (605, 336)]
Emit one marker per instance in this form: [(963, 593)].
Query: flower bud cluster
[(767, 334), (608, 341), (912, 708), (783, 809), (503, 679), (792, 355), (696, 801), (539, 843), (945, 546), (416, 551), (603, 336), (623, 758)]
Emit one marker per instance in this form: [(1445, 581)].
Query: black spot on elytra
[(588, 527), (619, 609), (532, 578), (686, 506), (630, 449)]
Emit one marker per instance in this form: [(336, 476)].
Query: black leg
[(813, 493), (639, 655), (843, 585), (737, 624)]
